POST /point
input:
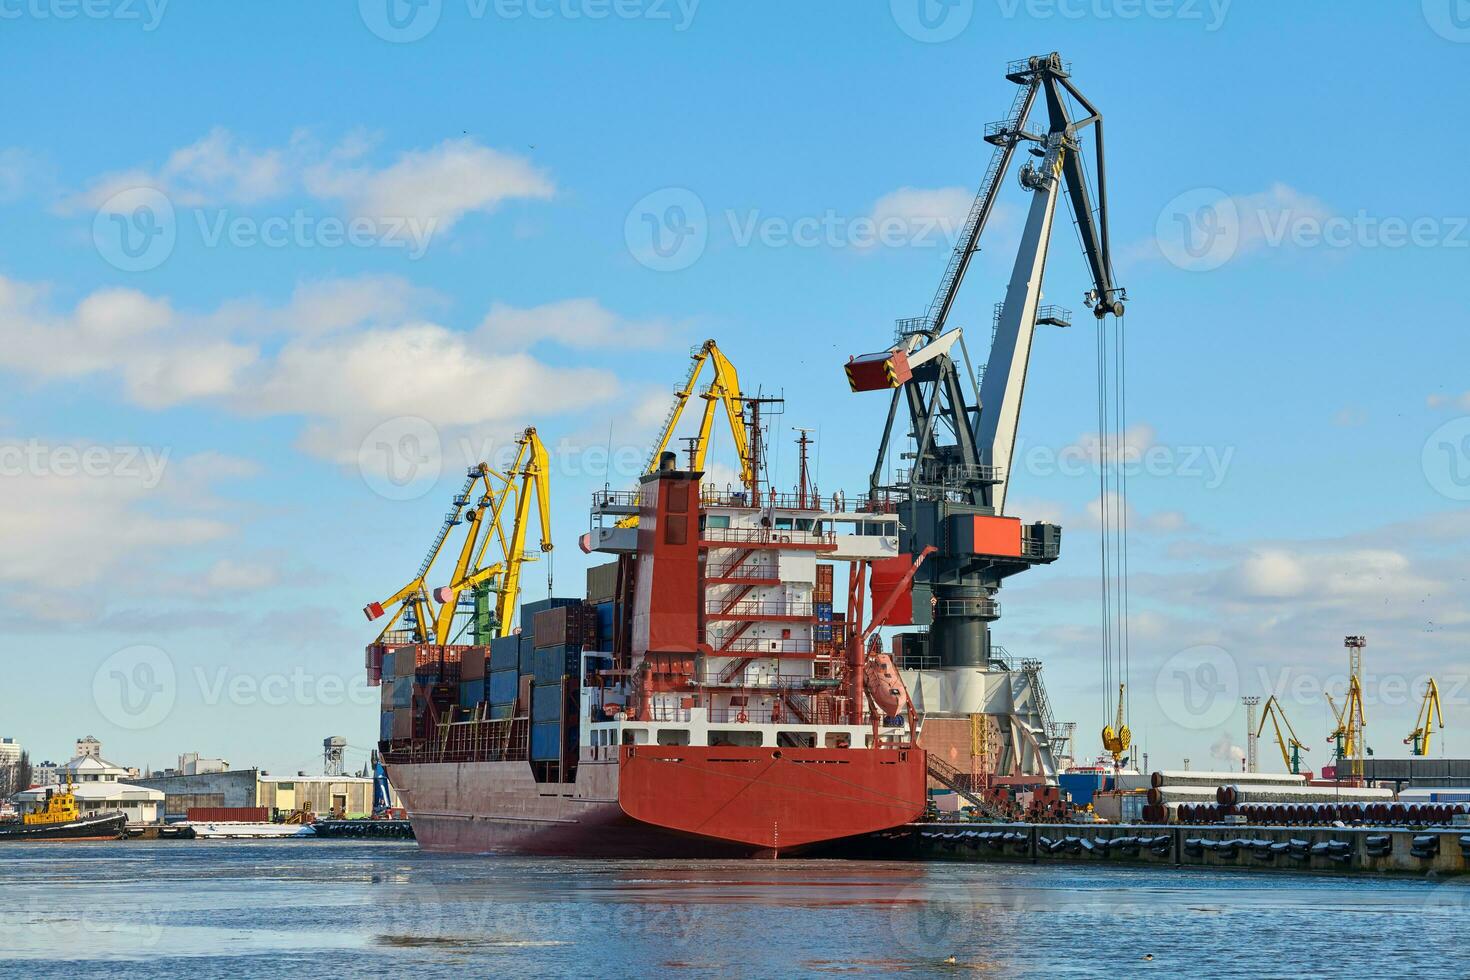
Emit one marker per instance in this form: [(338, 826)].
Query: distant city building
[(89, 748), (10, 752), (192, 764), (44, 773), (99, 788), (351, 796)]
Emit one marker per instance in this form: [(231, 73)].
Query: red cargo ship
[(704, 700)]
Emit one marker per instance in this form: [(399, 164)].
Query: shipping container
[(566, 626), (602, 582), (501, 712), (403, 693), (606, 619), (388, 670), (546, 742), (503, 686), (472, 666), (528, 654), (385, 725), (471, 693), (505, 652), (402, 723), (530, 609), (551, 664), (824, 612), (547, 701)]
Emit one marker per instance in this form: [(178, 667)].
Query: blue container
[(385, 727), (550, 664), (403, 692), (823, 634), (471, 693), (824, 612), (527, 654), (546, 742), (502, 712), (388, 670), (546, 703), (503, 686), (505, 652), (605, 636)]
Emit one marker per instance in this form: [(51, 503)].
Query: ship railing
[(764, 535), (765, 681), (774, 648), (616, 498), (759, 608), (973, 608), (916, 662), (739, 571)]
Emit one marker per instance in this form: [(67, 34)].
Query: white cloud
[(439, 185), (431, 189), (576, 323), (922, 214), (141, 338), (217, 170), (66, 532), (351, 383), (235, 576), (344, 355), (1136, 441)]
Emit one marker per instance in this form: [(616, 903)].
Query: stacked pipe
[(1323, 814)]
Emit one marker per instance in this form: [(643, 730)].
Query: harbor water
[(342, 909)]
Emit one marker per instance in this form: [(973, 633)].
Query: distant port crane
[(1430, 712)]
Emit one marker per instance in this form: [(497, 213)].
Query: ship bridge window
[(716, 520), (673, 736), (783, 523), (797, 740), (635, 736), (839, 740), (805, 524)]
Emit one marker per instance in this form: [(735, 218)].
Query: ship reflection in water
[(346, 909)]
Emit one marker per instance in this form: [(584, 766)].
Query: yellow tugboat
[(62, 819)]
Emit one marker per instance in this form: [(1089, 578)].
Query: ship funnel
[(667, 462)]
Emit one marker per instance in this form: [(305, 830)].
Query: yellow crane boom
[(532, 468), (481, 504), (1430, 712), (723, 390), (1291, 747)]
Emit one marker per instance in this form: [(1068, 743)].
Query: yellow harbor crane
[(480, 504), (532, 467), (1291, 746), (723, 390), (1116, 737), (1348, 735), (1429, 713)]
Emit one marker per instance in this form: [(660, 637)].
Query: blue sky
[(1304, 399)]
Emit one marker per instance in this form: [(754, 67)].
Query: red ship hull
[(665, 801)]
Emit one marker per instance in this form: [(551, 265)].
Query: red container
[(472, 665)]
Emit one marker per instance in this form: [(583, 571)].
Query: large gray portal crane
[(952, 495)]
